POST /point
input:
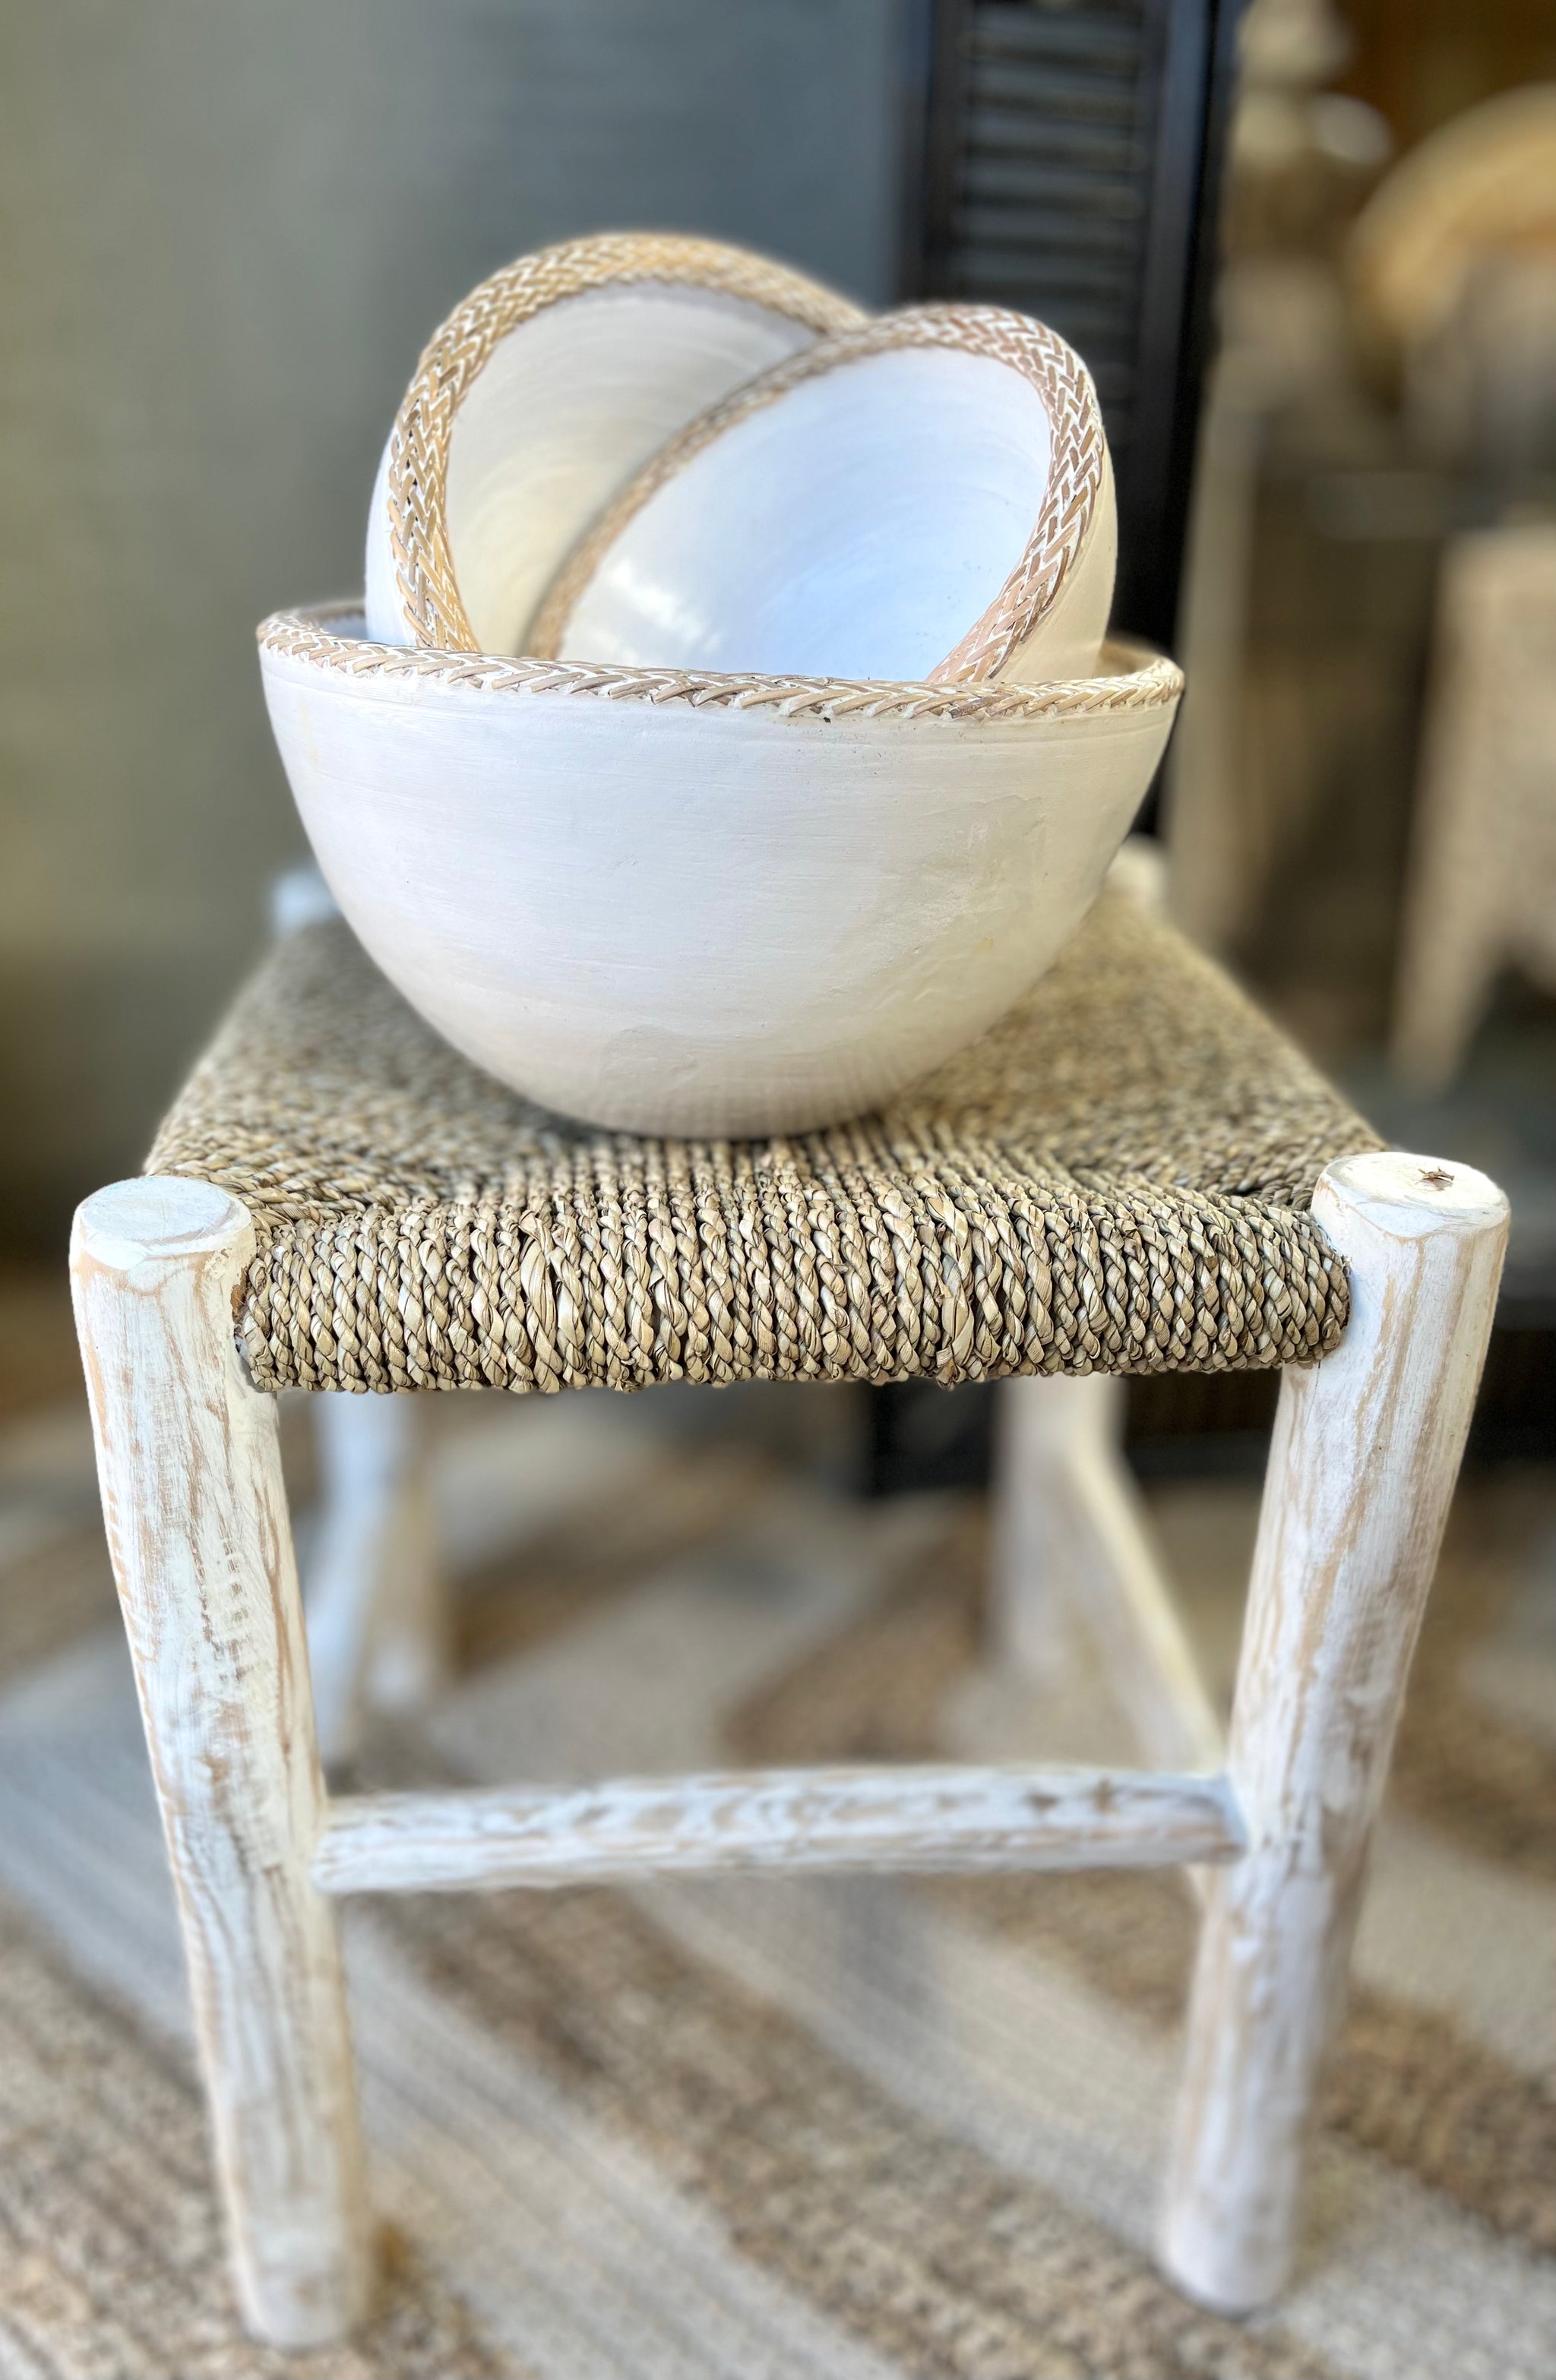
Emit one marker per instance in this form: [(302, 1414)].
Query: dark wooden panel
[(1063, 156), (1066, 161)]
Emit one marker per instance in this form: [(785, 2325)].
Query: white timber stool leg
[(373, 1587), (1072, 1542), (1366, 1452), (190, 1473)]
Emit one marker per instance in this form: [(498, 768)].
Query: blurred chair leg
[(1451, 934), (1482, 883), (372, 1585), (1444, 980), (1072, 1542), (1030, 1612)]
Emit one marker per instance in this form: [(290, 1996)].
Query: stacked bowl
[(731, 734)]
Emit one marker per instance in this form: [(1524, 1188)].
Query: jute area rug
[(863, 2131)]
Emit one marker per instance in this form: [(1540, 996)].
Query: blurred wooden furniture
[(1484, 184), (1247, 760), (1116, 1179), (1482, 889), (1447, 301)]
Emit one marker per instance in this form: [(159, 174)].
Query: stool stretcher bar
[(929, 1820)]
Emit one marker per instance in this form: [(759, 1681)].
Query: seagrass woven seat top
[(1115, 1178)]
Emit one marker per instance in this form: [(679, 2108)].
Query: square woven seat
[(1115, 1178)]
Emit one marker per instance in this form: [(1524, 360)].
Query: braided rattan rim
[(1149, 681), (1076, 468), (418, 443)]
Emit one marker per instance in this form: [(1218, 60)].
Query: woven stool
[(1119, 1178)]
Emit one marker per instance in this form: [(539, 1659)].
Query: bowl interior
[(565, 410), (855, 526)]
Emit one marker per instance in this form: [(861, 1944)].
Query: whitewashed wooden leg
[(1033, 1540), (1072, 1542), (371, 1585), (1366, 1452), (190, 1474), (408, 1650)]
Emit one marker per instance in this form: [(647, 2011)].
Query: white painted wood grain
[(924, 1820), (1366, 1452), (189, 1469)]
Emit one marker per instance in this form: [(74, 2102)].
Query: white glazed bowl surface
[(701, 906), (927, 496)]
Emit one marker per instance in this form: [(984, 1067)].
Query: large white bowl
[(539, 397), (686, 903), (924, 497)]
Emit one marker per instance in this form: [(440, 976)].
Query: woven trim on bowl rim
[(418, 443), (1074, 478), (313, 637)]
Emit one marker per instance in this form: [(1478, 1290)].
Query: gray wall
[(228, 226)]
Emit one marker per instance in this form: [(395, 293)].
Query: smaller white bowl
[(538, 399), (925, 498), (680, 903)]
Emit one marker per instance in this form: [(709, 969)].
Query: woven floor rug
[(860, 2130)]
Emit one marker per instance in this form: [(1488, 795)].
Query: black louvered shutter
[(1064, 159), (1065, 156)]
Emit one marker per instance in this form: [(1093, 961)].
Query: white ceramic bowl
[(540, 397), (686, 903), (925, 498)]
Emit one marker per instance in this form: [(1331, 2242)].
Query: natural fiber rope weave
[(1113, 1179), (325, 637)]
